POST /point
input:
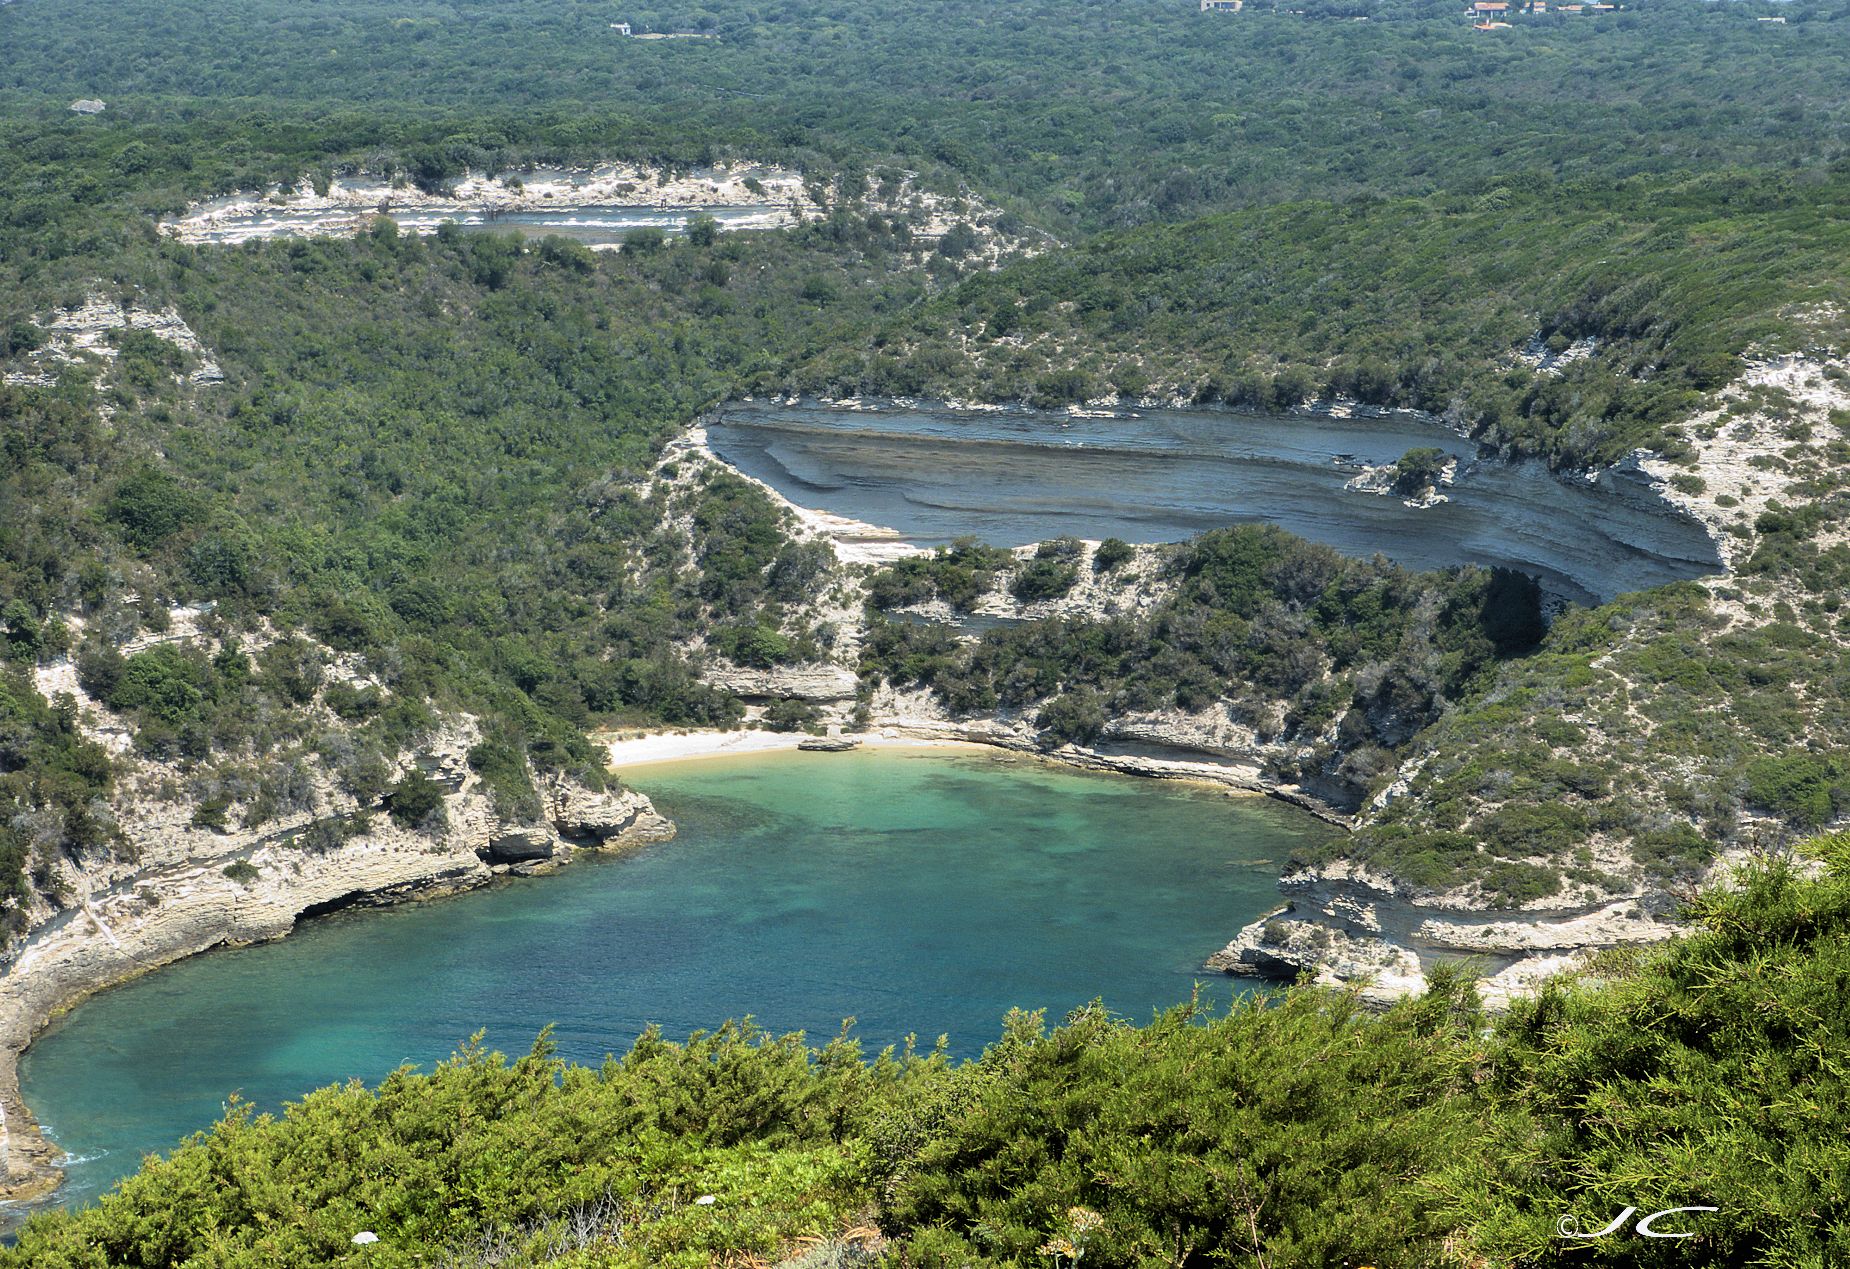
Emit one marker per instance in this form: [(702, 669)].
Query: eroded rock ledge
[(1344, 926)]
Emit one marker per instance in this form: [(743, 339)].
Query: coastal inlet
[(933, 473), (920, 891)]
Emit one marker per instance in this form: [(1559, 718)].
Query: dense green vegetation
[(428, 458), (53, 780), (425, 484), (1528, 769), (1296, 1130), (1422, 303), (1096, 112), (1350, 659)]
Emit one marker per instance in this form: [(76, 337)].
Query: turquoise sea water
[(919, 891)]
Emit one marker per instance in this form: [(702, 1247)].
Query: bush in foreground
[(1296, 1129)]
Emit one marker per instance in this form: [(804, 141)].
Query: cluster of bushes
[(53, 786), (1519, 789), (1050, 572), (959, 574), (1255, 617), (1296, 1129), (1407, 302), (1418, 468)]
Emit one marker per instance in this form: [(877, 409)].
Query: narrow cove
[(919, 891), (932, 472)]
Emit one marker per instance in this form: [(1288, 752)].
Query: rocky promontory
[(191, 888), (1343, 925)]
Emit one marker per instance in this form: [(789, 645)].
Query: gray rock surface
[(581, 814), (517, 847)]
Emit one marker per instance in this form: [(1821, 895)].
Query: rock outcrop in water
[(1344, 924), (584, 815)]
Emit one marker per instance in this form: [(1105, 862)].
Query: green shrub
[(1418, 468), (416, 801), (645, 238), (1701, 1076), (791, 715), (212, 813), (1074, 717), (1111, 553), (1274, 1135), (506, 777), (1041, 579), (354, 704), (149, 507), (1807, 790), (754, 645)]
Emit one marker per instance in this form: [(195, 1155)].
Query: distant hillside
[(1576, 320), (1093, 112)]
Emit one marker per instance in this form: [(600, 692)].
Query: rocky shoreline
[(1337, 924), (1215, 749), (1343, 926), (243, 889)]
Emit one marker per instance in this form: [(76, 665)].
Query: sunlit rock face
[(595, 206), (934, 473)]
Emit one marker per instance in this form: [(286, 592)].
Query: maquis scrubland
[(347, 537)]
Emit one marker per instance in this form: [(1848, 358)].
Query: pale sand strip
[(630, 751), (647, 749)]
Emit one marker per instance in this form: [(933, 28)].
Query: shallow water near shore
[(919, 891)]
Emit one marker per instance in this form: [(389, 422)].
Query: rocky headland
[(179, 889)]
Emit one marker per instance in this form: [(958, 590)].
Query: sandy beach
[(641, 749), (631, 750)]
